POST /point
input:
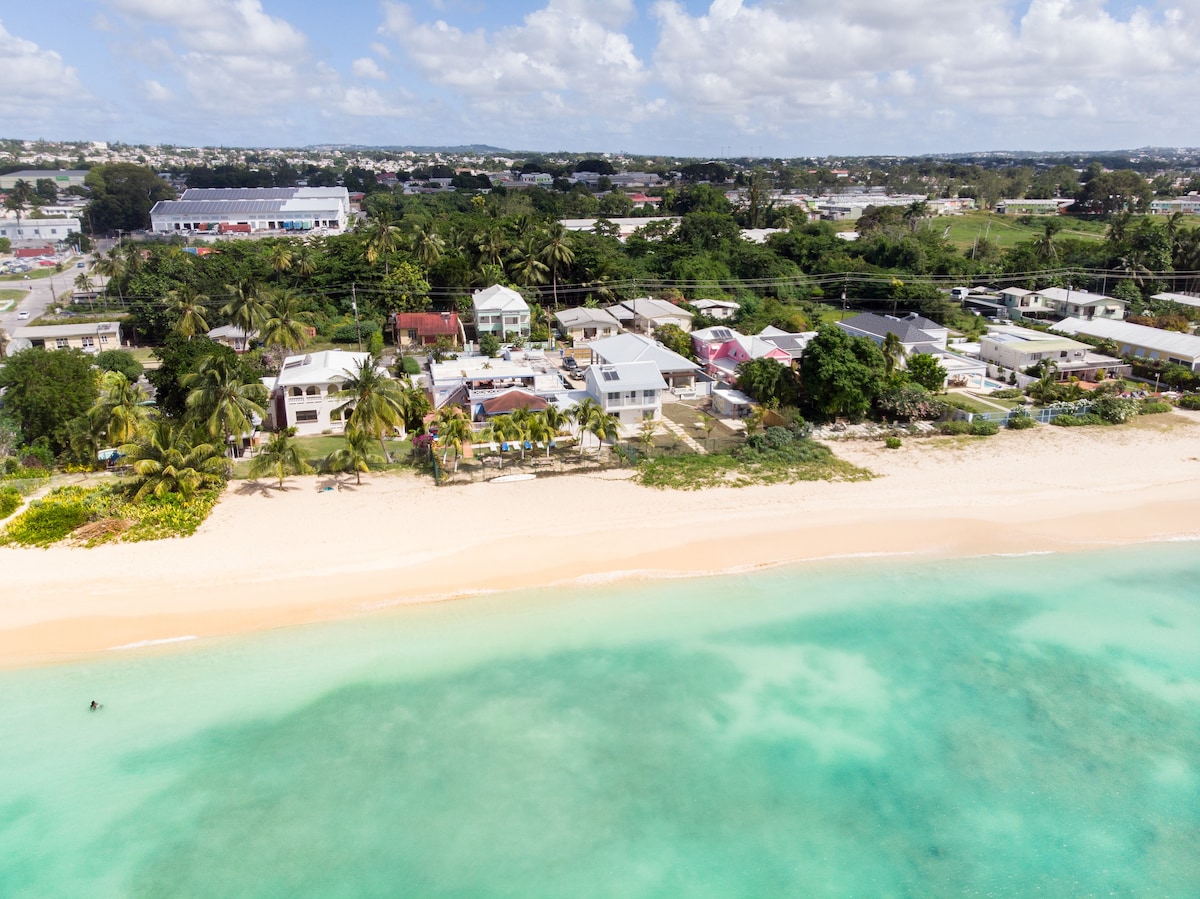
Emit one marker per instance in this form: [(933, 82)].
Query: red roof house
[(424, 328)]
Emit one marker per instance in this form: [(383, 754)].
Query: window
[(649, 396), (412, 335), (61, 343), (88, 341), (613, 397), (104, 338), (335, 415), (295, 391), (306, 415)]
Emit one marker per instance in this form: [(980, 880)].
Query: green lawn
[(12, 294), (1006, 232), (315, 449)]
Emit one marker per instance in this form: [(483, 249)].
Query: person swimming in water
[(95, 705)]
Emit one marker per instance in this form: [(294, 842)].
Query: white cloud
[(796, 62), (32, 76), (155, 92), (568, 58), (368, 68)]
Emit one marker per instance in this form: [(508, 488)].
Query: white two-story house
[(304, 394), (500, 311), (630, 390)]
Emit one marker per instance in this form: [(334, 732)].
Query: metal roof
[(1171, 342), (216, 207)]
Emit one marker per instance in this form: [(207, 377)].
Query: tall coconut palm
[(279, 457), (280, 256), (304, 260), (556, 253), (527, 269), (1044, 245), (453, 431), (284, 323), (245, 309), (221, 402), (121, 411), (190, 307), (355, 456), (603, 426), (540, 431), (893, 352), (83, 282), (376, 402), (168, 459), (427, 245), (583, 414), (383, 238), (112, 266), (502, 430)]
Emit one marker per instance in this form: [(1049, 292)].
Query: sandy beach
[(268, 558)]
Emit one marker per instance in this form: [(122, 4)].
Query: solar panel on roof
[(722, 334), (610, 374)]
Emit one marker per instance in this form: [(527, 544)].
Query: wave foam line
[(142, 644)]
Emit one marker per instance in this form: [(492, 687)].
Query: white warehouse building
[(249, 209), (38, 229)]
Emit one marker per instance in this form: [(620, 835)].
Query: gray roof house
[(913, 330), (679, 373), (583, 324), (630, 390)]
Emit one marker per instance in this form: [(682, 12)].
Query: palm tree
[(280, 256), (221, 401), (540, 431), (83, 282), (603, 426), (169, 460), (502, 430), (583, 414), (355, 456), (1044, 245), (527, 269), (427, 244), (376, 402), (383, 238), (490, 245), (453, 431), (305, 260), (283, 323), (555, 253), (121, 411), (189, 306), (646, 434), (112, 266), (279, 457), (893, 351), (245, 309)]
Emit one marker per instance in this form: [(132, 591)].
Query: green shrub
[(1115, 409), (410, 366), (892, 443), (348, 333), (1190, 401), (1068, 420), (1008, 393), (48, 520), (955, 427), (984, 428), (1154, 407), (119, 360), (9, 500), (1021, 422)]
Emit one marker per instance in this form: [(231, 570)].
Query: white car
[(22, 315)]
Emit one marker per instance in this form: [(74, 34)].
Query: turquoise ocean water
[(879, 728)]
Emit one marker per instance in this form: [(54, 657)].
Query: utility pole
[(354, 305)]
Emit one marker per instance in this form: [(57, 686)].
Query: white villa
[(632, 390), (304, 393), (1021, 348), (501, 311), (1060, 302)]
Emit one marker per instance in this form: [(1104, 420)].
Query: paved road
[(40, 293)]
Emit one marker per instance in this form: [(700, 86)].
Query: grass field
[(1006, 232), (317, 448)]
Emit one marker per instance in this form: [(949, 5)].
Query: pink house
[(720, 351)]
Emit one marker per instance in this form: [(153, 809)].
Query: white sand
[(267, 558)]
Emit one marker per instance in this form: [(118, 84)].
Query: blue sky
[(719, 78)]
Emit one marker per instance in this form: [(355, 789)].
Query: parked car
[(570, 364), (23, 315)]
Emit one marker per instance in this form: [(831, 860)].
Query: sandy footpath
[(267, 558)]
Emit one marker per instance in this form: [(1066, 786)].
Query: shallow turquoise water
[(992, 727)]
